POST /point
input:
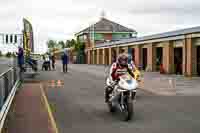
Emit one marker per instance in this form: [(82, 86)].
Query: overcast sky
[(61, 19)]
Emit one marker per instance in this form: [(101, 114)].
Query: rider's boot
[(108, 91)]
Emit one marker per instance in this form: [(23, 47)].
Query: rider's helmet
[(122, 60)]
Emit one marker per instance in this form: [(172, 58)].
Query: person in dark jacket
[(20, 58), (65, 61), (53, 58)]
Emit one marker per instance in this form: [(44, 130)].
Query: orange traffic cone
[(59, 84), (52, 83)]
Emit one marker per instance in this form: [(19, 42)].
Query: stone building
[(177, 49), (104, 31)]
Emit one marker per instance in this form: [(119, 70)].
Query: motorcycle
[(30, 67), (122, 96)]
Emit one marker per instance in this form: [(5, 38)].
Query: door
[(178, 60), (159, 56), (144, 58), (198, 60)]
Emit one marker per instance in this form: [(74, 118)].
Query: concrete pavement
[(79, 106), (171, 84), (29, 112)]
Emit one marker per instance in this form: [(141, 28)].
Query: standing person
[(47, 60), (53, 58), (20, 58), (65, 61)]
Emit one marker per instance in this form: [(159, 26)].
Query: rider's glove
[(117, 80)]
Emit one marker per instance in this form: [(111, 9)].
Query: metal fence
[(9, 81)]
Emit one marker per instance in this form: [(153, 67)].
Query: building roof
[(105, 25), (155, 36)]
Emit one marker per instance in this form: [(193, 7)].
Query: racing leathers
[(115, 72)]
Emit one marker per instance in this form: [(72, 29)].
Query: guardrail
[(9, 82)]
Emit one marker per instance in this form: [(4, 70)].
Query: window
[(11, 38), (15, 38), (6, 38)]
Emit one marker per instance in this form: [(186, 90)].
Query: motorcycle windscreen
[(130, 83)]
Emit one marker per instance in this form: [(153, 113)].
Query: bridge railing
[(9, 81)]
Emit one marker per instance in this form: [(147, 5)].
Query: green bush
[(8, 54), (13, 54), (1, 54)]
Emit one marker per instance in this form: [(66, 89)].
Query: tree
[(80, 45), (51, 44), (8, 54), (76, 44), (1, 53), (62, 44), (72, 43), (68, 43)]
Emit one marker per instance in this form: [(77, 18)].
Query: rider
[(118, 68)]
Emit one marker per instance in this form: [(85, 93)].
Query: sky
[(61, 19)]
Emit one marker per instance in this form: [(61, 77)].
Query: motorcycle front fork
[(122, 101), (131, 96)]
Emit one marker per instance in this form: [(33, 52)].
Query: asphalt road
[(79, 106), (5, 64)]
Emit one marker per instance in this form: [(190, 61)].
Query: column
[(98, 56), (88, 56), (103, 56), (93, 56), (168, 55), (110, 55), (191, 57), (138, 56), (151, 57), (184, 58)]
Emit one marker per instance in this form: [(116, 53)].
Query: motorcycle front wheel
[(128, 111)]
